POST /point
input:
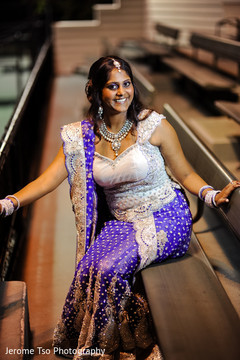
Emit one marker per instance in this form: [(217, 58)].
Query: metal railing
[(20, 150)]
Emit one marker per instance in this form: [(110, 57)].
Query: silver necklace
[(115, 139)]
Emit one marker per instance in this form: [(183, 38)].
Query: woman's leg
[(174, 226), (101, 291)]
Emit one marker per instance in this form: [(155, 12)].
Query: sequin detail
[(131, 201), (136, 201), (102, 308), (78, 145)]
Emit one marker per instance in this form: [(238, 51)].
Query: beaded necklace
[(115, 139)]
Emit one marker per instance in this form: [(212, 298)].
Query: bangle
[(7, 205), (213, 198), (14, 197), (202, 189), (210, 198)]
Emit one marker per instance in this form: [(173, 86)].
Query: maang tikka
[(117, 64)]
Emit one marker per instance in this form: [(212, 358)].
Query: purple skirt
[(103, 309)]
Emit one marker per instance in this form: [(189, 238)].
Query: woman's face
[(118, 93)]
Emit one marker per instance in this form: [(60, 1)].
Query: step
[(220, 134)]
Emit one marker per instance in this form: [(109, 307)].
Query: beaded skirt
[(105, 313)]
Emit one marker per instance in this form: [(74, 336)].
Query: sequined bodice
[(136, 182)]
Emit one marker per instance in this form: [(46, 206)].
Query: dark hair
[(99, 74)]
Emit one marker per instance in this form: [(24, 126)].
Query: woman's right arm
[(49, 180)]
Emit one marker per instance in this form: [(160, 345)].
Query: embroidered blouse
[(132, 196), (135, 183)]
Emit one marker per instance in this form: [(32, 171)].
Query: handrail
[(227, 176), (23, 101), (20, 152), (221, 47), (208, 167)]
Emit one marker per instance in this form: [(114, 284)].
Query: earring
[(100, 112)]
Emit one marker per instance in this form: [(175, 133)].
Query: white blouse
[(131, 165), (135, 183)]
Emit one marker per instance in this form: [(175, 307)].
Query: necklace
[(115, 139)]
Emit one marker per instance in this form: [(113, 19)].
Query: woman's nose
[(120, 91)]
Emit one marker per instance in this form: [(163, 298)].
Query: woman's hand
[(222, 197), (45, 183)]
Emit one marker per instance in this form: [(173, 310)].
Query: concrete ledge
[(14, 321)]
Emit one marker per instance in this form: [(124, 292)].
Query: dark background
[(23, 10)]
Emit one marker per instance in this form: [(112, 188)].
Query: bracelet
[(213, 198), (210, 198), (202, 189), (7, 206), (14, 197)]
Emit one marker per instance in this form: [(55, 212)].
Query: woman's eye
[(127, 83), (112, 86)]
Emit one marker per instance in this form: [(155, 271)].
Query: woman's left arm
[(166, 138)]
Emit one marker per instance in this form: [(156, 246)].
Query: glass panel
[(14, 73)]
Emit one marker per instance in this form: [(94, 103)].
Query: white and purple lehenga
[(150, 222)]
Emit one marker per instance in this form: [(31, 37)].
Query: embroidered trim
[(75, 163), (154, 202), (78, 145), (146, 127), (162, 240), (146, 238)]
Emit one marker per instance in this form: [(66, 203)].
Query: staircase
[(78, 43)]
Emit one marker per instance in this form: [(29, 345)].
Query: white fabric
[(136, 183), (130, 166)]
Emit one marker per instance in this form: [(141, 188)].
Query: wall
[(187, 15), (80, 42)]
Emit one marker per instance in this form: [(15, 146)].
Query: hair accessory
[(210, 198), (117, 64), (202, 189), (115, 139), (100, 112)]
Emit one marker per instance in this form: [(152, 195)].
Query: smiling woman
[(129, 213)]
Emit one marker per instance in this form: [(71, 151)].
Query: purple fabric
[(101, 308), (114, 258), (88, 141)]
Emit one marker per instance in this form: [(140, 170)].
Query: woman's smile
[(120, 101)]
